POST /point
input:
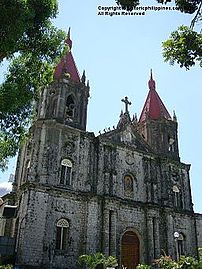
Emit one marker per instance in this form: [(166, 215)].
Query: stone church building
[(124, 192)]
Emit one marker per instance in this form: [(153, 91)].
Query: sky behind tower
[(117, 53)]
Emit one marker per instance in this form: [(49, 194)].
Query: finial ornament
[(69, 30), (151, 83), (83, 78), (174, 116), (68, 39), (151, 77), (135, 117), (127, 103)]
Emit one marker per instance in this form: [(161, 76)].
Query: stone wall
[(98, 203), (199, 229)]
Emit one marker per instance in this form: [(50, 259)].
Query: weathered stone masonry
[(124, 192)]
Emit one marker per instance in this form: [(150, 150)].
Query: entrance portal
[(130, 250)]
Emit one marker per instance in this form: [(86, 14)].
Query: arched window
[(128, 185), (177, 197), (54, 108), (62, 234), (66, 172), (70, 106), (27, 169), (171, 146)]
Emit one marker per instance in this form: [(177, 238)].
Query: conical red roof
[(67, 64), (153, 107)]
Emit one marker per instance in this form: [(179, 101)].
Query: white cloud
[(5, 187)]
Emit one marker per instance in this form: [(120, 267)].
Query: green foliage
[(188, 263), (8, 266), (21, 20), (94, 260), (200, 253), (183, 47), (166, 262), (186, 6), (163, 1), (143, 266), (128, 4), (39, 45), (110, 261)]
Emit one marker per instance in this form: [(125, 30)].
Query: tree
[(33, 47), (184, 46), (21, 22)]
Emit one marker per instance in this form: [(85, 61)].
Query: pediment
[(127, 136)]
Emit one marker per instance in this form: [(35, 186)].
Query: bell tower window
[(171, 141), (70, 107), (66, 172), (177, 197)]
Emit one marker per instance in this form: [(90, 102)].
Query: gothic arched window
[(177, 197), (70, 106), (171, 146), (62, 234), (27, 169), (128, 185), (66, 172)]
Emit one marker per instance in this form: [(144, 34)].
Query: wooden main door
[(130, 250)]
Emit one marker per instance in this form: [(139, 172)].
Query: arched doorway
[(130, 250)]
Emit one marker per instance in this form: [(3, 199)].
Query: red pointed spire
[(153, 107), (67, 64)]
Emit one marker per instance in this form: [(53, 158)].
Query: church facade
[(124, 192)]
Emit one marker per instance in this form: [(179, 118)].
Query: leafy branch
[(33, 48), (184, 45)]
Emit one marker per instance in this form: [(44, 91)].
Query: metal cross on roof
[(127, 103)]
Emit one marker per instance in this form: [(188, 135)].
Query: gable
[(127, 136)]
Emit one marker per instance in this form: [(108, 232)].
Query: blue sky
[(117, 53)]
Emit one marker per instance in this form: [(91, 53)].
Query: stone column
[(92, 227), (156, 237), (170, 235), (105, 232), (112, 233), (150, 239)]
